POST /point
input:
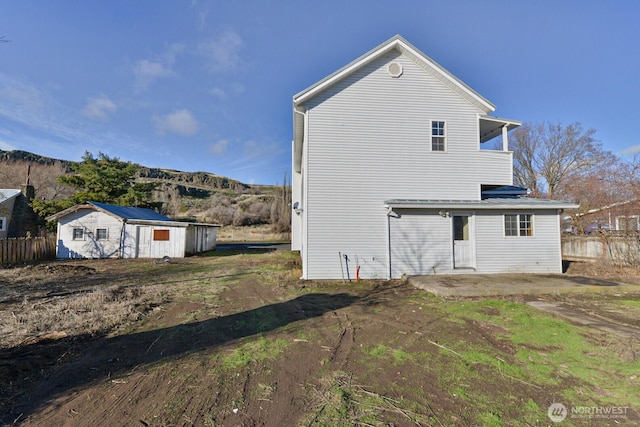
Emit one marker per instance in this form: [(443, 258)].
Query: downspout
[(303, 200), (389, 214), (122, 234)]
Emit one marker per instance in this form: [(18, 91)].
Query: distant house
[(17, 219), (7, 201), (100, 230), (391, 177), (620, 216)]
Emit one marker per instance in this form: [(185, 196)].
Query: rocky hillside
[(200, 196)]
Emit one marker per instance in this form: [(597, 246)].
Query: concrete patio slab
[(474, 285)]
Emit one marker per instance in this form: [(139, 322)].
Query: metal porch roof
[(130, 213), (8, 193), (518, 203)]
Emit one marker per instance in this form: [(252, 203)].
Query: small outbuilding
[(17, 219), (100, 230)]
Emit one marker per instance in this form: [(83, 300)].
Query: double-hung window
[(78, 233), (438, 136), (101, 234), (3, 223), (518, 225)]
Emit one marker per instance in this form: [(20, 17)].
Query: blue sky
[(207, 85)]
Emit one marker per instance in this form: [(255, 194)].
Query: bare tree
[(546, 155)]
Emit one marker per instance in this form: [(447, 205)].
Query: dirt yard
[(234, 339)]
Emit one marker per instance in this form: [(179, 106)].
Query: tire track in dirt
[(341, 351)]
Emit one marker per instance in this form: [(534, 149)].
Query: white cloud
[(219, 147), (218, 92), (147, 72), (222, 53), (20, 95), (634, 149), (99, 108), (179, 122), (6, 146)]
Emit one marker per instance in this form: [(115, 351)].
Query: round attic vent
[(394, 69)]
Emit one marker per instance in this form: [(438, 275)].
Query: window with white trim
[(518, 225), (101, 234), (438, 136), (78, 233), (3, 223)]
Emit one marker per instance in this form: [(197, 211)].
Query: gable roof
[(126, 213), (398, 43), (490, 126), (8, 193)]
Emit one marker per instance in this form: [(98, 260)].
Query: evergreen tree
[(100, 179)]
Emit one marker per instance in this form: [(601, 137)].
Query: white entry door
[(462, 242), (143, 242)]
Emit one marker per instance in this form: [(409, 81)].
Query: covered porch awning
[(491, 127), (493, 203)]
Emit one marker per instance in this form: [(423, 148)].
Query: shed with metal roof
[(101, 230)]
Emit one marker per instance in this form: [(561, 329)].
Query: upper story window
[(101, 234), (438, 136), (3, 223), (78, 233), (518, 225)]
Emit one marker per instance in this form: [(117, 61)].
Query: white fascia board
[(396, 42), (318, 87)]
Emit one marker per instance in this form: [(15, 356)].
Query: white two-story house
[(391, 177)]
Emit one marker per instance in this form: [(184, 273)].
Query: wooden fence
[(618, 248), (28, 249)]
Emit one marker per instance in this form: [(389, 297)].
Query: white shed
[(100, 230)]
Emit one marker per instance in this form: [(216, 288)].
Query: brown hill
[(200, 196)]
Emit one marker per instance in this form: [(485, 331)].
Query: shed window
[(160, 234), (518, 225), (78, 233), (3, 223), (101, 234), (438, 136)]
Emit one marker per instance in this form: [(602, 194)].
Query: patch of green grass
[(253, 350), (490, 419), (398, 355), (549, 351), (633, 304)]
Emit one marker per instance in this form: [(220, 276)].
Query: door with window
[(462, 241)]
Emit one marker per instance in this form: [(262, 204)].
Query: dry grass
[(84, 312), (253, 233)]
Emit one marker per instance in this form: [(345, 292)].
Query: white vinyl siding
[(78, 235), (366, 143), (497, 253), (421, 244)]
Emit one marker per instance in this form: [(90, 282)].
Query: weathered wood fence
[(618, 248), (28, 249)]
